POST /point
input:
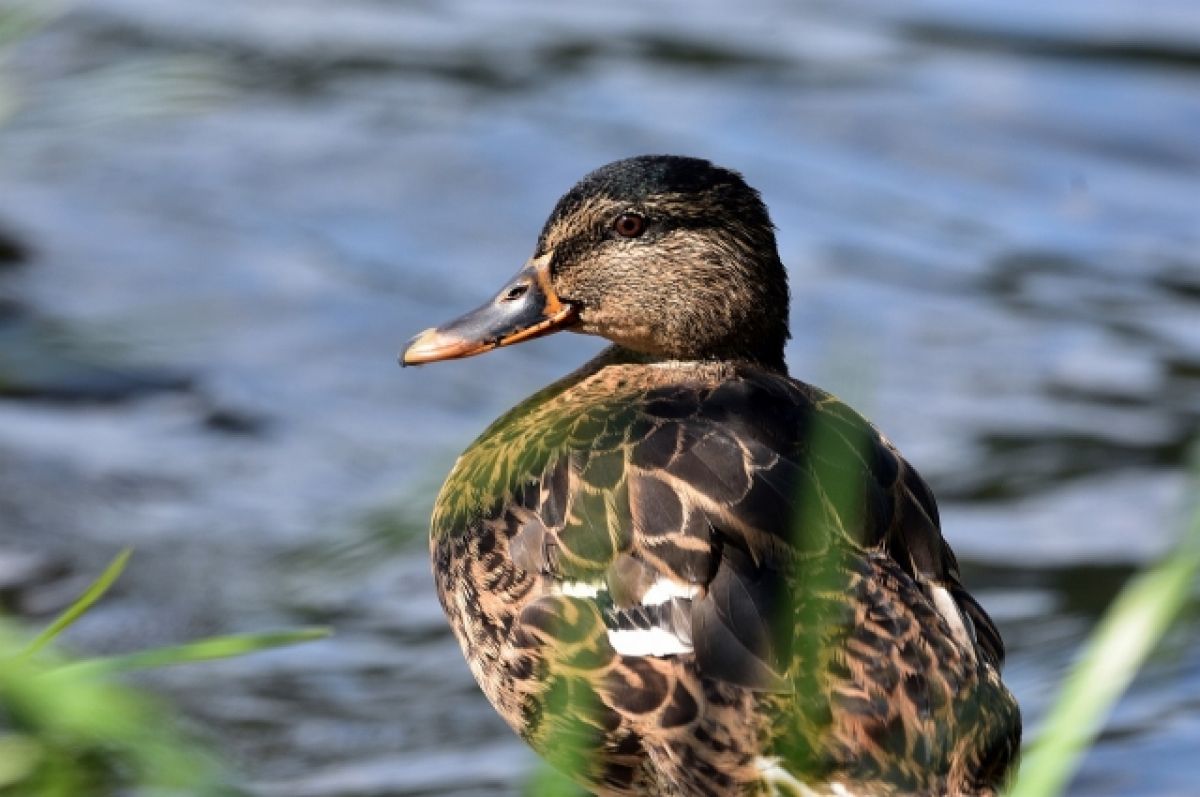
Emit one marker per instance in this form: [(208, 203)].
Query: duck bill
[(525, 308)]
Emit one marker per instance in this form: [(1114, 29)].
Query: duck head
[(667, 256)]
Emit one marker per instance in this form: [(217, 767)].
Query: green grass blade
[(222, 647), (84, 602), (1129, 631), (546, 781)]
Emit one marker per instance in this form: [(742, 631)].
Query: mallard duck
[(678, 570)]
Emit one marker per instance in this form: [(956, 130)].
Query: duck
[(681, 571)]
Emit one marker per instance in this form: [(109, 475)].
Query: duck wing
[(675, 546), (688, 509)]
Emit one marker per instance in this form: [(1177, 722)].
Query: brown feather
[(813, 626)]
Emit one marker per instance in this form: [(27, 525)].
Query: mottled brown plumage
[(679, 571)]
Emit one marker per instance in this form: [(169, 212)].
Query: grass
[(1138, 619), (69, 729), (84, 602)]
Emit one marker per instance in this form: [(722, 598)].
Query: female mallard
[(678, 571)]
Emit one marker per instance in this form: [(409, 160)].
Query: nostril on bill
[(515, 292)]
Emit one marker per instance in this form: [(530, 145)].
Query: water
[(236, 214)]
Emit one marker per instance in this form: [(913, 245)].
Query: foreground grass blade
[(1137, 620), (222, 647), (546, 781), (84, 602)]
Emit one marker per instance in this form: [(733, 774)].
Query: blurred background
[(220, 221)]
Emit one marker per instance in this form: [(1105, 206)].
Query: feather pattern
[(664, 574)]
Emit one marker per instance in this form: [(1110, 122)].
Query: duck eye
[(629, 225)]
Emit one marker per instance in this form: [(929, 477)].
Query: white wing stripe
[(664, 589), (652, 642), (580, 589)]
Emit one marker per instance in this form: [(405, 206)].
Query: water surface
[(236, 213)]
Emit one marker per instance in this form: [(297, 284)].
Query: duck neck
[(766, 359)]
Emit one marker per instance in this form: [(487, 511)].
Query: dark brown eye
[(629, 225)]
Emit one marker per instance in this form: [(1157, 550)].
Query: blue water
[(991, 215)]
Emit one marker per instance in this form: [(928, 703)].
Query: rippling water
[(236, 213)]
